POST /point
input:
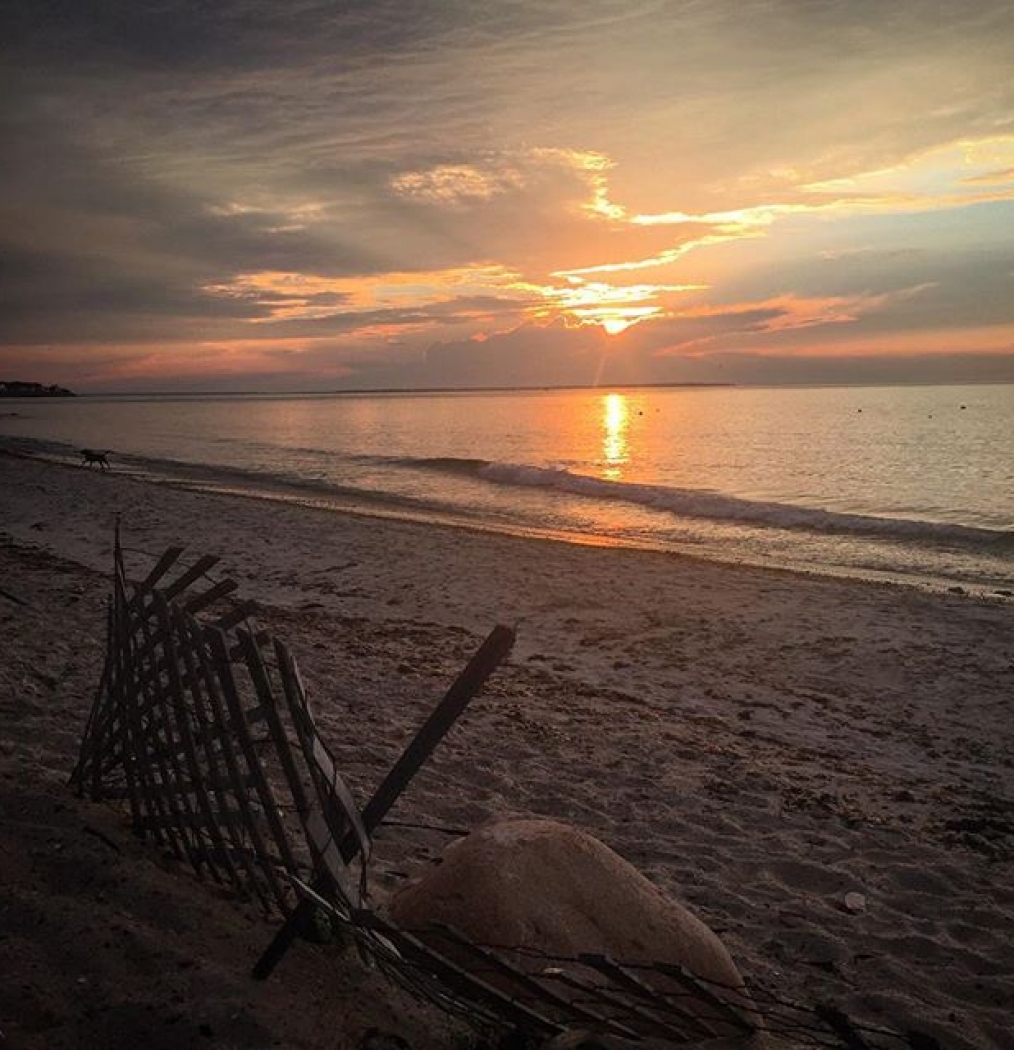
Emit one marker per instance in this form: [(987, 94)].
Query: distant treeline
[(15, 388)]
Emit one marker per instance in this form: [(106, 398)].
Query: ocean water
[(909, 483)]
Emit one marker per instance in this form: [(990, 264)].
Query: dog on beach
[(91, 458)]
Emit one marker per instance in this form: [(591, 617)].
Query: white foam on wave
[(715, 506)]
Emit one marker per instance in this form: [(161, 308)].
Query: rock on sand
[(545, 885)]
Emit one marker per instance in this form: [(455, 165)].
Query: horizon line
[(526, 388)]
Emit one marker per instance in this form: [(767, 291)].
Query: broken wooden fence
[(201, 722)]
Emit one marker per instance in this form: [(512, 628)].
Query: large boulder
[(539, 884)]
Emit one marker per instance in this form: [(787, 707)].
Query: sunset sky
[(256, 195)]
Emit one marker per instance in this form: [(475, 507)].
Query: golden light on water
[(615, 424)]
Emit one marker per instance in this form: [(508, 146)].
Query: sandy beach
[(759, 743)]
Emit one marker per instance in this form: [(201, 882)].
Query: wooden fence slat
[(137, 775), (632, 1015), (147, 800), (530, 983), (176, 625), (116, 703), (220, 658), (157, 740), (165, 750), (198, 569), (262, 684), (160, 568), (157, 667), (331, 788), (243, 611), (240, 780), (217, 783), (455, 977), (238, 653), (200, 823), (683, 976), (648, 995), (490, 654), (328, 857), (209, 597)]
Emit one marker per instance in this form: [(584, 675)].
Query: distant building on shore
[(16, 388)]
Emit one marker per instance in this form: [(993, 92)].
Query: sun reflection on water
[(615, 424)]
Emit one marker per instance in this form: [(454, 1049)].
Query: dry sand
[(761, 744)]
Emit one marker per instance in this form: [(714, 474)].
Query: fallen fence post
[(485, 661)]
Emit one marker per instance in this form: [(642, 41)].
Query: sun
[(615, 319), (613, 308)]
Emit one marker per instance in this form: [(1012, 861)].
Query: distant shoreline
[(422, 391), (405, 392), (11, 388)]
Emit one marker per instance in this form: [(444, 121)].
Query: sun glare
[(615, 421), (614, 308)]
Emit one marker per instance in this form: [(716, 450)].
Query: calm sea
[(909, 483)]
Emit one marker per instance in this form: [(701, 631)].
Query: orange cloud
[(308, 296), (548, 182)]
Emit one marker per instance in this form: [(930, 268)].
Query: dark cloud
[(232, 35)]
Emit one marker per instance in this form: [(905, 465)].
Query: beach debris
[(855, 902)]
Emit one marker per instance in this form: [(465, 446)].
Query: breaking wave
[(706, 504)]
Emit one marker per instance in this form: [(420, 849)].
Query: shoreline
[(372, 508), (759, 742)]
